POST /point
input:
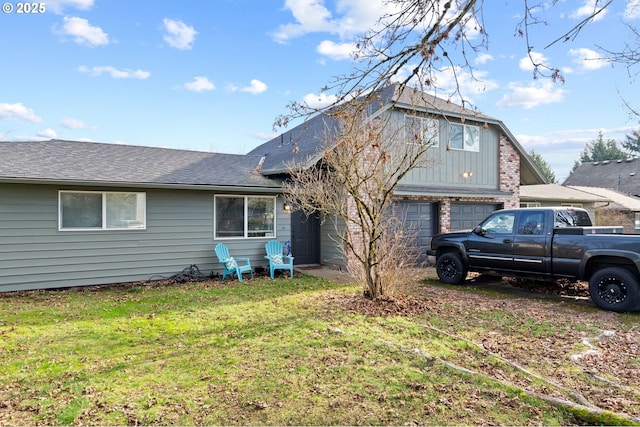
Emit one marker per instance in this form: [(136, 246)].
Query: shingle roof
[(619, 175), (100, 163), (555, 192), (628, 202)]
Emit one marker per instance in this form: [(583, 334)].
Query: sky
[(213, 75)]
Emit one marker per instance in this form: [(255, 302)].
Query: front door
[(305, 238)]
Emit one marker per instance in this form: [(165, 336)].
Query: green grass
[(259, 352)]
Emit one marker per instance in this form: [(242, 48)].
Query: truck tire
[(450, 268), (615, 289)]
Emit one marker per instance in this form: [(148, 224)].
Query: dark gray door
[(420, 218), (305, 238), (465, 216)]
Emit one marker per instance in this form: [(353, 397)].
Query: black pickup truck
[(546, 243)]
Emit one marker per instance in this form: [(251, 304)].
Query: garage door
[(465, 216), (419, 217)]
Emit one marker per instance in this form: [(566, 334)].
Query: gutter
[(166, 186)]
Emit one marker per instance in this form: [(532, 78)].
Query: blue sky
[(213, 75)]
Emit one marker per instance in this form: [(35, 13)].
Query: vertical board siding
[(34, 254), (330, 252), (445, 166)]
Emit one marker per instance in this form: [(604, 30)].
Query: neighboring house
[(619, 209), (479, 168), (82, 213), (619, 175), (619, 182), (559, 195)]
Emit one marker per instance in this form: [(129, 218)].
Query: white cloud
[(587, 9), (83, 32), (70, 123), (58, 6), (18, 111), (199, 84), (483, 58), (452, 82), (533, 95), (48, 133), (311, 16), (179, 34), (255, 87), (632, 11), (527, 62), (318, 101), (115, 73), (336, 51), (588, 59)]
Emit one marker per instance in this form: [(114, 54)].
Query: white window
[(96, 210), (464, 137), (530, 204), (421, 130), (244, 217), (637, 221)]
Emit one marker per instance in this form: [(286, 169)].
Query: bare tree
[(361, 165), (413, 43)]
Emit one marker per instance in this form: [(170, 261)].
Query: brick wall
[(509, 172)]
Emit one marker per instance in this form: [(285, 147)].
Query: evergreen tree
[(600, 150), (632, 143), (544, 167)]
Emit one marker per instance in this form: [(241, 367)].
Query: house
[(619, 209), (619, 182), (83, 213), (619, 175), (559, 195), (480, 167)]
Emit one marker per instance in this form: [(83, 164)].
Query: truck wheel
[(614, 289), (451, 268)]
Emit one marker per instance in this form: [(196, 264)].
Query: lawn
[(309, 351)]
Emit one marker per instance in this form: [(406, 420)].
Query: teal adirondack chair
[(230, 264), (277, 260)]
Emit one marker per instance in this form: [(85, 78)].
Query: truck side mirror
[(478, 230)]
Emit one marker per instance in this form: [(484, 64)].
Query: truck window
[(572, 218), (499, 223), (531, 223)]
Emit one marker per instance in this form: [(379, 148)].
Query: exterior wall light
[(467, 174)]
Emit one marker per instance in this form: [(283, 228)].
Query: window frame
[(246, 230), (425, 124), (475, 148), (103, 213)]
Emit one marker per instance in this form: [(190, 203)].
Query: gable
[(303, 143)]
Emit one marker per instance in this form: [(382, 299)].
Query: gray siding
[(330, 253), (446, 167), (35, 255)]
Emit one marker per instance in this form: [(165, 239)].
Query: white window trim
[(104, 211), (464, 132), (429, 121), (246, 216)]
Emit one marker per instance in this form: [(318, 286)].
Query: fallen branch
[(577, 409)]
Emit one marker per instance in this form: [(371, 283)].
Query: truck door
[(532, 245), (490, 246)]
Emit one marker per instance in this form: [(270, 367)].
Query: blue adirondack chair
[(277, 260), (230, 264)]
